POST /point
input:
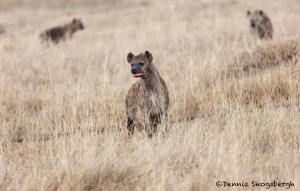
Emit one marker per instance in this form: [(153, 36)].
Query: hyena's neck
[(151, 82), (70, 28)]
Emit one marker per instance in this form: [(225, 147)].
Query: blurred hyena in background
[(60, 33), (260, 25)]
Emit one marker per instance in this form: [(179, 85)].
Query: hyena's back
[(55, 34)]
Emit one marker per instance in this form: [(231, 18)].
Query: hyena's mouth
[(138, 74)]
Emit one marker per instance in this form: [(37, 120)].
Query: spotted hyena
[(147, 100), (57, 34), (260, 25)]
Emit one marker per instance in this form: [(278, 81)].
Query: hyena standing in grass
[(59, 33), (260, 25), (147, 100)]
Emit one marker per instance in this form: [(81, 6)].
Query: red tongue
[(138, 74)]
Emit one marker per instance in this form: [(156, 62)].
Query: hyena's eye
[(141, 63), (131, 65)]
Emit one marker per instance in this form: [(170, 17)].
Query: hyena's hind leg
[(130, 126), (150, 130), (156, 121)]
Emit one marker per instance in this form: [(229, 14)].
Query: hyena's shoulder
[(133, 92)]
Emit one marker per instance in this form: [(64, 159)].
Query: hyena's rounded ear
[(261, 12), (129, 57), (149, 55), (248, 13)]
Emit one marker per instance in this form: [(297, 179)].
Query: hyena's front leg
[(152, 127), (150, 130)]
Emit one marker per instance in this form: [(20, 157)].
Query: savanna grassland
[(234, 111)]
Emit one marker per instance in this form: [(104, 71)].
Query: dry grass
[(286, 53), (234, 104)]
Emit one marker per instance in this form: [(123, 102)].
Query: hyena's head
[(255, 17), (77, 24), (140, 64)]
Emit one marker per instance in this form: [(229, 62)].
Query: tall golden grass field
[(234, 113)]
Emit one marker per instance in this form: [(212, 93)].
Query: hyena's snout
[(136, 70), (81, 26), (252, 23)]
